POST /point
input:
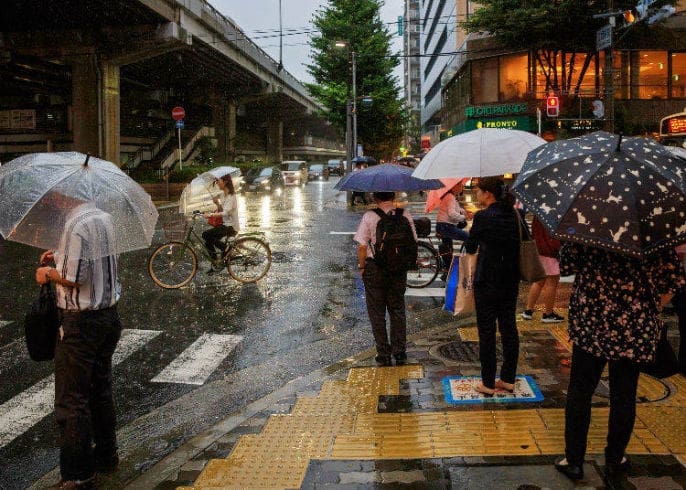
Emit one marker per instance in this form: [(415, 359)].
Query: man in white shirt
[(384, 290), (88, 289)]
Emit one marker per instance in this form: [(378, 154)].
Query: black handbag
[(665, 363), (41, 324)]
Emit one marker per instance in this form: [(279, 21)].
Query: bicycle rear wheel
[(248, 259), (172, 265), (428, 265)]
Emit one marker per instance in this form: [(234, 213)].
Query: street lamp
[(352, 152)]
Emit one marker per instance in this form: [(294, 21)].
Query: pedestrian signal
[(552, 106)]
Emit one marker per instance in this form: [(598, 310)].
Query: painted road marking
[(341, 233), (22, 412), (425, 292), (194, 365)]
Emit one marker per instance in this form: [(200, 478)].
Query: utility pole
[(609, 79), (348, 146), (354, 105)]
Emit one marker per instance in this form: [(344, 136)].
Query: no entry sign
[(178, 113)]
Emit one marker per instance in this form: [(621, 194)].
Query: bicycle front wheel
[(172, 265), (248, 259), (428, 265)]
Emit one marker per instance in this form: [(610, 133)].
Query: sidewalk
[(355, 425)]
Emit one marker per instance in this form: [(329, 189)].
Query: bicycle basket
[(175, 229), (423, 227)]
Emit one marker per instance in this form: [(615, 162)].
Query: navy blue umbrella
[(385, 178), (364, 159), (624, 195)]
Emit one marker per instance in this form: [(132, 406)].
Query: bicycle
[(174, 264), (429, 259)]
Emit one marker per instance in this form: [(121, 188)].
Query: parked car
[(264, 179), (318, 171), (336, 167), (294, 172)]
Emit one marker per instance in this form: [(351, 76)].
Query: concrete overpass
[(93, 74)]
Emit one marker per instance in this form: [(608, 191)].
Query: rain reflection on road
[(306, 314)]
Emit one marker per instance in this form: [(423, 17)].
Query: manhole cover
[(463, 351), (649, 389)]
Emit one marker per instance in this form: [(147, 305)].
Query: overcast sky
[(260, 21)]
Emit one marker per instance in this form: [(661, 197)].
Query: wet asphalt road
[(308, 313)]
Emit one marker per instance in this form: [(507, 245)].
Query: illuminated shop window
[(679, 75), (485, 81), (652, 74), (513, 77)]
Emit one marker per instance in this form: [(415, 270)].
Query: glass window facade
[(678, 75), (513, 76), (485, 81), (650, 74)]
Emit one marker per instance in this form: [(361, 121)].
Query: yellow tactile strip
[(342, 422)]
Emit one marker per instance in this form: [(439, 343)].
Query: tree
[(357, 23), (551, 28)]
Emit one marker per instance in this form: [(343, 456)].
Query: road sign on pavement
[(178, 113), (179, 124)]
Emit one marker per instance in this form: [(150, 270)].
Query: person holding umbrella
[(384, 286), (224, 219), (495, 236), (619, 208), (451, 221), (88, 211), (87, 294)]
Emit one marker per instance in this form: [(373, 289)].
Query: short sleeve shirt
[(366, 231)]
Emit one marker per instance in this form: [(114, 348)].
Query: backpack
[(395, 248)]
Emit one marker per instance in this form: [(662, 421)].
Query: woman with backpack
[(386, 240), (495, 236), (549, 251)]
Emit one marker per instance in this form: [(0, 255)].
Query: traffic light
[(552, 106), (629, 17)]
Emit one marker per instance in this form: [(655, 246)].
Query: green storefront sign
[(523, 123), (495, 110)]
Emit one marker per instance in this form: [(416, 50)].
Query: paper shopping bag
[(459, 290)]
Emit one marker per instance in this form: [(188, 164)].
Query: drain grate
[(464, 351)]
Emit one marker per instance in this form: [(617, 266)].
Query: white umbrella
[(198, 194), (479, 153), (38, 191)]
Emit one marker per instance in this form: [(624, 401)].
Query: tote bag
[(459, 289), (41, 324), (530, 266)]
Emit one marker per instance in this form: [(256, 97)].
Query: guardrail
[(169, 162), (148, 153)]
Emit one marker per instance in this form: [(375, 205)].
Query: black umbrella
[(627, 196)]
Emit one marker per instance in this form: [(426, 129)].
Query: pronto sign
[(178, 113)]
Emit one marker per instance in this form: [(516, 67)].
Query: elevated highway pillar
[(224, 122), (95, 106), (274, 140)]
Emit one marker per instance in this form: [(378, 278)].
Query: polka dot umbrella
[(624, 195)]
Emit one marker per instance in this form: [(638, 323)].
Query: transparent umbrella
[(198, 194), (38, 191)]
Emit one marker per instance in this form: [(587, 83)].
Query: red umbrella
[(434, 197)]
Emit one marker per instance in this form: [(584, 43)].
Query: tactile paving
[(343, 422)]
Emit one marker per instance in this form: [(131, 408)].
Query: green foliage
[(357, 22), (207, 151)]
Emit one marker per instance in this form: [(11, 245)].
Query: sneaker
[(400, 359), (552, 318), (527, 314), (383, 361)]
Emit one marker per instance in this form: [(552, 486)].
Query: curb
[(159, 472)]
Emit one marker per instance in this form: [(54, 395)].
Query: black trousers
[(84, 407), (385, 291), (213, 238), (583, 380), (497, 306)]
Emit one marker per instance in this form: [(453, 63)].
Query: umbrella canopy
[(434, 197), (198, 194), (626, 196), (479, 153), (680, 152), (38, 191), (385, 178)]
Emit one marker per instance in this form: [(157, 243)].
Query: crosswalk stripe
[(425, 292), (29, 407), (341, 233), (199, 360)]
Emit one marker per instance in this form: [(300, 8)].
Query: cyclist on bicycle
[(224, 220), (451, 221)]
